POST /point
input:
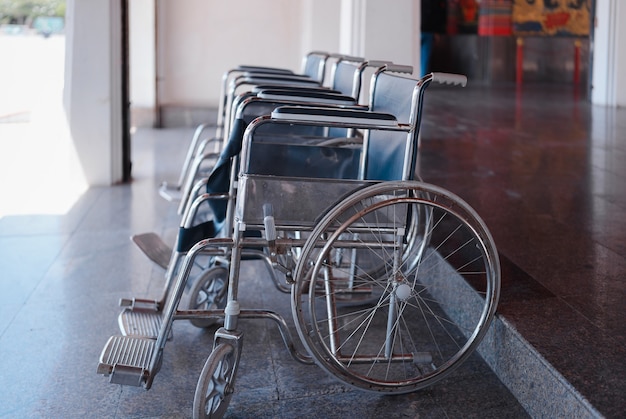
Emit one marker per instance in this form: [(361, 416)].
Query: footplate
[(170, 193), (126, 360), (140, 323), (153, 246)]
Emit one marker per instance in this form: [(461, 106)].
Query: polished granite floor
[(545, 169), (541, 165)]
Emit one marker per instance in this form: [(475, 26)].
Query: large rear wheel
[(425, 287)]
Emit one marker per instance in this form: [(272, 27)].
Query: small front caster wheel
[(215, 385)]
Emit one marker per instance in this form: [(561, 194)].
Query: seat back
[(346, 76), (314, 65), (392, 155)]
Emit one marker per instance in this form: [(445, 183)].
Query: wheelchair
[(347, 75), (313, 73), (393, 282), (344, 89)]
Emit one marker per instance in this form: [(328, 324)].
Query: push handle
[(352, 58), (448, 78), (378, 63), (399, 68)]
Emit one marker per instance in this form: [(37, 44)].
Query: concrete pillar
[(142, 61), (92, 95), (609, 54), (320, 25), (382, 30)]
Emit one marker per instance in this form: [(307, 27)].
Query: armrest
[(306, 96), (278, 76), (345, 116), (257, 80), (262, 69), (260, 88)]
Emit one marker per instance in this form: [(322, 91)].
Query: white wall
[(200, 41), (609, 54), (206, 37)]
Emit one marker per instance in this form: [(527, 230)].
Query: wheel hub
[(403, 291)]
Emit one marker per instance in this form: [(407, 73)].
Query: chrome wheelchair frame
[(393, 281)]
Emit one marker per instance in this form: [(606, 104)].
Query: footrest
[(140, 304), (170, 193), (126, 360), (140, 323), (153, 246)]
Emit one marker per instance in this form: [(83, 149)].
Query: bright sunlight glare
[(39, 168)]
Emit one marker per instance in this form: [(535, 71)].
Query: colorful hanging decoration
[(551, 17), (495, 17)]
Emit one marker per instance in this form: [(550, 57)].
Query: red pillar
[(520, 61), (576, 62)]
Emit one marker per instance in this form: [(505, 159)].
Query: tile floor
[(541, 165)]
